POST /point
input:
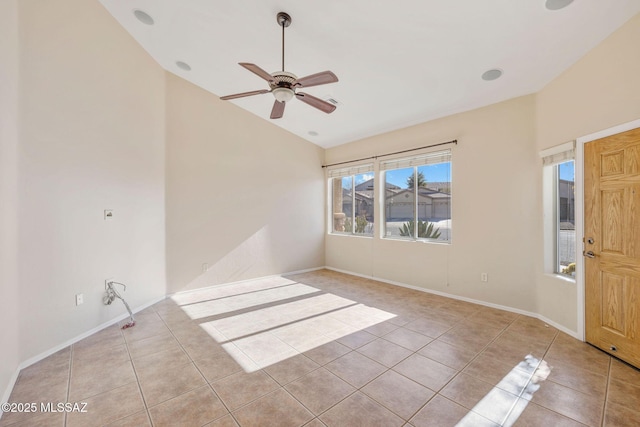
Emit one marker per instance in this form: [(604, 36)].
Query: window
[(352, 200), (559, 208), (417, 197), (565, 218)]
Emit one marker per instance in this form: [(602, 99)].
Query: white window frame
[(551, 158), (431, 158), (339, 173)]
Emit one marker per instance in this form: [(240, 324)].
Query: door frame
[(579, 201)]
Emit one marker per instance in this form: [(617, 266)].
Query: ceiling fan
[(283, 85)]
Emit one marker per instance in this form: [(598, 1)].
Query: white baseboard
[(9, 389), (49, 352), (567, 331)]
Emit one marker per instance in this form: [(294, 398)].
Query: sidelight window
[(559, 209)]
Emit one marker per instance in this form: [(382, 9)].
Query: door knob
[(589, 254), (590, 240)]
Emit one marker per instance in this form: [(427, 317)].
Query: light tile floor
[(325, 348)]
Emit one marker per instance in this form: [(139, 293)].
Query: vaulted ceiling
[(398, 63)]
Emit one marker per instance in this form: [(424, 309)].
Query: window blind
[(353, 170), (420, 160), (558, 154)]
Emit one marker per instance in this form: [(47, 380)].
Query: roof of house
[(368, 185)]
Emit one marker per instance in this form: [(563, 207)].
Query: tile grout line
[(69, 380), (414, 352), (229, 412), (437, 392), (460, 371), (135, 372), (282, 386), (553, 410), (391, 369), (302, 404), (356, 389), (109, 390), (520, 395), (606, 393), (504, 330), (506, 418)]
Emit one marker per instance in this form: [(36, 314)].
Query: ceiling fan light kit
[(283, 84), (283, 94)]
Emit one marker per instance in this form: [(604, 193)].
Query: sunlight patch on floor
[(508, 399), (289, 330), (228, 304), (297, 318), (281, 315), (229, 290)]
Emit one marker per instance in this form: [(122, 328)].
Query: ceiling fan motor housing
[(283, 79), (282, 87)]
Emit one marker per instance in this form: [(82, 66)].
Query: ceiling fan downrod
[(284, 20)]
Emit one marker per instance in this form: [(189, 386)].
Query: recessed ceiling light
[(313, 133), (183, 66), (143, 17), (492, 74), (557, 4)]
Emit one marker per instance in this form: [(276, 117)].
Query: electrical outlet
[(484, 277), (205, 267), (79, 299)]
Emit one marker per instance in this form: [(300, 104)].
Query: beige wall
[(243, 196), (9, 312), (600, 91), (497, 186), (495, 217), (91, 123)]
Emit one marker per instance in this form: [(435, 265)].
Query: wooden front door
[(612, 244)]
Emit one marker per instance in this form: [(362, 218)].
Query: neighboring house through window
[(352, 200), (417, 197)]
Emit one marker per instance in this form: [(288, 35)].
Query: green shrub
[(361, 225), (425, 230)]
